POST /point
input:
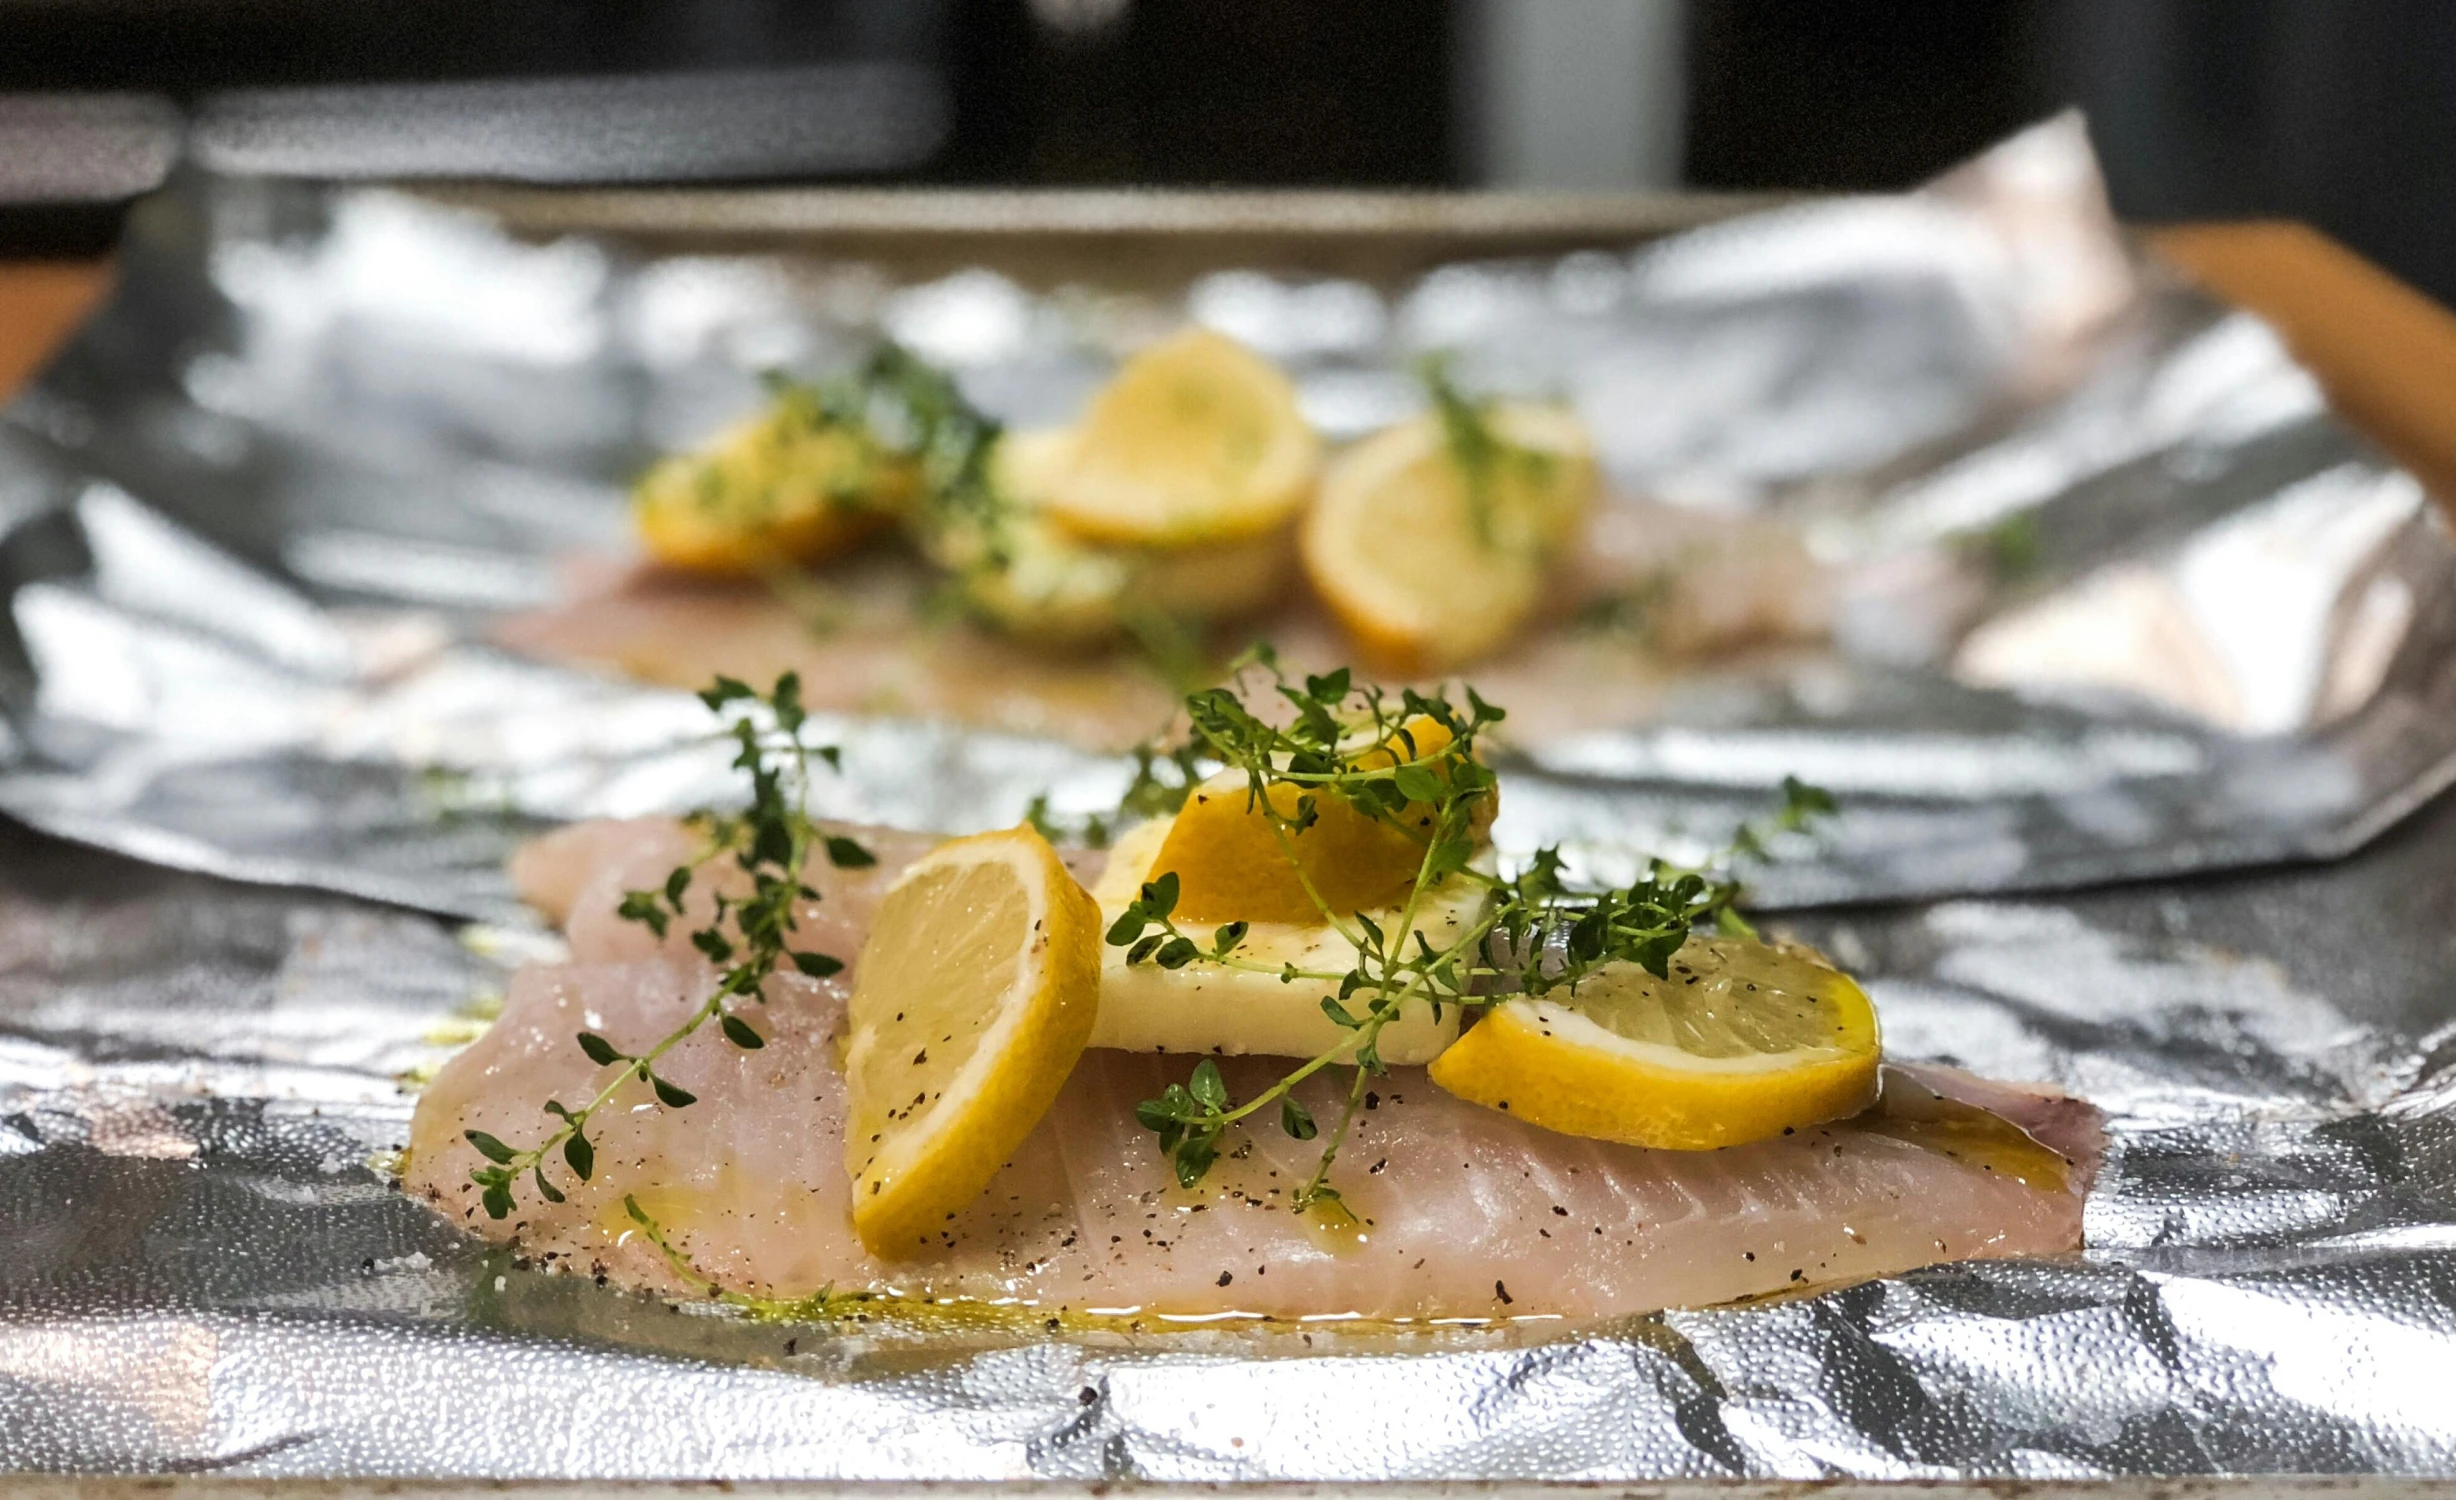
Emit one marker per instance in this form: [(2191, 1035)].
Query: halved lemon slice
[(1741, 1042), (1232, 865), (1051, 586), (1197, 440), (975, 994), (780, 488), (1429, 567)]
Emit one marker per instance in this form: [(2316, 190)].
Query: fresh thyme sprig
[(1534, 933), (748, 936)]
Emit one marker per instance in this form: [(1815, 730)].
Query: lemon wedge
[(974, 996), (780, 488), (1053, 587), (1233, 865), (1197, 440), (1741, 1042), (1427, 570)]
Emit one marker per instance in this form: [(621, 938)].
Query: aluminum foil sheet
[(2115, 596), (203, 1271)]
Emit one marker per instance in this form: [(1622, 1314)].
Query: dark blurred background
[(2339, 112)]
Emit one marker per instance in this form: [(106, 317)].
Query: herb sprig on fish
[(1408, 762), (748, 936)]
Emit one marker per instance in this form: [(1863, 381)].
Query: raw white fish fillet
[(1649, 584), (1464, 1212)]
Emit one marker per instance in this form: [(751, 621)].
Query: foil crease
[(245, 652), (2116, 597)]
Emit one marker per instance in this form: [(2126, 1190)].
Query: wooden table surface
[(2386, 353)]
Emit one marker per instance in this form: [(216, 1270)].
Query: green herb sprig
[(1534, 934), (1483, 456), (748, 937)]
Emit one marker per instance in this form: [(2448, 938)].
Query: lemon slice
[(1741, 1042), (1232, 865), (1428, 571), (1053, 587), (1228, 1010), (974, 996), (780, 488), (1197, 440)]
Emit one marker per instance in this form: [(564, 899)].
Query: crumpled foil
[(2116, 595), (2121, 599), (204, 1272)]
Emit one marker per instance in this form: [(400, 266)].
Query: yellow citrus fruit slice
[(974, 996), (1197, 440), (1233, 865), (1429, 567), (781, 488), (1741, 1042), (1053, 587)]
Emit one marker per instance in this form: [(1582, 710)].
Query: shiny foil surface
[(2114, 595), (252, 527)]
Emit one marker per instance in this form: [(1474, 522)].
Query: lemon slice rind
[(917, 1162), (1549, 1063)]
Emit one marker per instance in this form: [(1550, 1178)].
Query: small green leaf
[(580, 1156), (498, 1201), (1296, 1120), (739, 1032), (1338, 1014), (1176, 953), (1207, 1086), (723, 691), (848, 854), (1193, 1159), (1128, 926), (488, 1147), (1417, 783), (545, 1189), (818, 965), (1145, 948), (599, 1050), (1224, 941), (676, 884), (1160, 896), (671, 1096)]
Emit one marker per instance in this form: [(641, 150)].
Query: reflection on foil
[(2113, 595), (2269, 1283)]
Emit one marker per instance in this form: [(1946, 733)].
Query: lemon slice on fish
[(1197, 440), (1233, 865), (1053, 587), (1741, 1041), (1428, 566), (973, 999), (780, 488)]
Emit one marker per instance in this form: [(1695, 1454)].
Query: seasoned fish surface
[(1459, 1212)]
